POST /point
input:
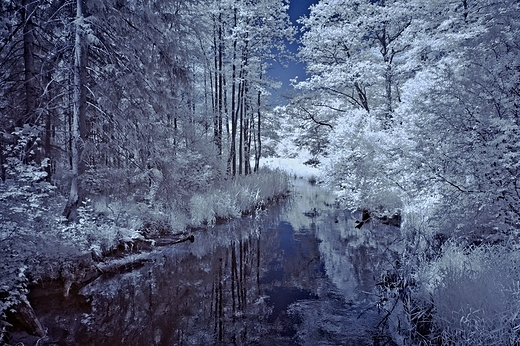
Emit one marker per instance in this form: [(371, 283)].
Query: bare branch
[(314, 119)]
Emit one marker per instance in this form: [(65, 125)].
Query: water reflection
[(300, 274)]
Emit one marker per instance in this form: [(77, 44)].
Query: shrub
[(476, 294)]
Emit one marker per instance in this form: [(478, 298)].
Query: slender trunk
[(208, 93), (32, 152), (243, 112), (28, 57), (387, 58), (220, 85), (78, 116), (246, 133), (247, 144), (232, 160), (216, 77), (226, 107), (236, 125), (47, 143), (240, 138), (258, 152), (388, 86)]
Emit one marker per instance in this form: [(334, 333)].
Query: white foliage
[(362, 165), (476, 294)]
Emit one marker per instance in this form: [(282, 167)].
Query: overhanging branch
[(314, 119)]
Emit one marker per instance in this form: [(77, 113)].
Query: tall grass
[(476, 294), (238, 196), (454, 294)]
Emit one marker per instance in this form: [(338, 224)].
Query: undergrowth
[(464, 295), (36, 242)]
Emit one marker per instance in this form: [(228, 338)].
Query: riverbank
[(443, 282), (296, 273), (108, 238)]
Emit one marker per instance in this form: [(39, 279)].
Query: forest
[(121, 120)]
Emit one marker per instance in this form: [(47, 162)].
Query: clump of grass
[(464, 296), (238, 196), (476, 295)]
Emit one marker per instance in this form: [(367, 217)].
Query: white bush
[(476, 294)]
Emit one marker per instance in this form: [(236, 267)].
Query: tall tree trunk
[(31, 92), (241, 128), (220, 85), (218, 62), (48, 136), (226, 120), (78, 115), (388, 87), (243, 109), (246, 133), (31, 95), (232, 160), (215, 73), (258, 151)]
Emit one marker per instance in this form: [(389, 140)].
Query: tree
[(244, 36), (355, 55), (78, 114), (140, 96), (352, 50), (461, 108), (441, 80)]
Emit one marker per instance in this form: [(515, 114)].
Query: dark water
[(299, 274)]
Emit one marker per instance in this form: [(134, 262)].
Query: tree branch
[(330, 107), (350, 98), (314, 119)]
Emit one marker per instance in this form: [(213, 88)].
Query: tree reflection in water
[(300, 273)]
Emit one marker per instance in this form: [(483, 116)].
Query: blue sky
[(297, 8)]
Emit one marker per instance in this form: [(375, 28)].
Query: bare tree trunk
[(47, 141), (78, 116), (388, 87), (232, 160), (258, 151), (220, 84), (216, 77), (226, 112), (246, 133), (32, 152), (241, 128), (29, 68)]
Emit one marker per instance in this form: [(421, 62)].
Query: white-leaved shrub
[(363, 166)]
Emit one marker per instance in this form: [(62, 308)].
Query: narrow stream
[(298, 274)]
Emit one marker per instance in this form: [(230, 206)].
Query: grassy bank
[(451, 288), (442, 283), (38, 244)]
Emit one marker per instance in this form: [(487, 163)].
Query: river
[(297, 274)]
